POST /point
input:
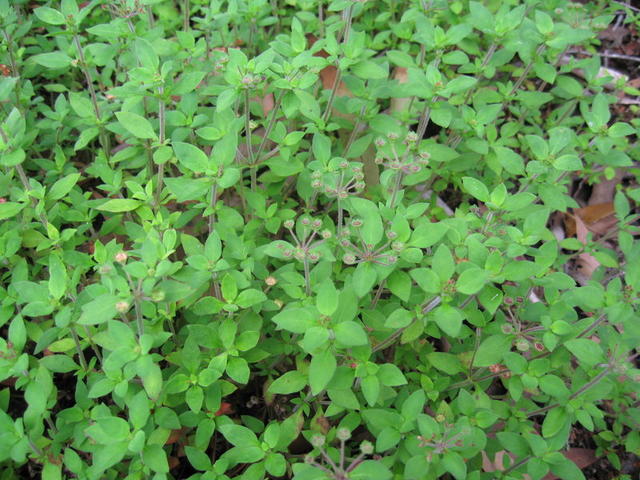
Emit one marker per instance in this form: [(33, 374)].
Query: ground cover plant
[(316, 240)]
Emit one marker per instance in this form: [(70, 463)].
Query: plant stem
[(187, 12), (76, 341), (247, 134), (272, 122), (336, 80), (578, 392), (104, 139), (307, 276), (162, 122)]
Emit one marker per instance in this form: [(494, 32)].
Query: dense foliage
[(311, 239)]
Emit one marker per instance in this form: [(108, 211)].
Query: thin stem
[(25, 183), (336, 80), (307, 276), (396, 188), (76, 341), (187, 12), (517, 465), (378, 294), (247, 134), (577, 393), (213, 201), (162, 123), (104, 139), (272, 122)]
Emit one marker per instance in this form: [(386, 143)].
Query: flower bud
[(343, 434), (356, 223), (305, 221), (366, 448), (288, 224), (317, 441), (270, 281), (343, 194), (122, 307), (397, 246), (349, 258), (379, 160), (326, 234), (344, 164), (392, 259), (380, 142), (392, 136), (411, 137), (506, 329), (316, 184), (316, 175), (316, 223), (314, 256), (391, 235), (522, 345), (121, 257)]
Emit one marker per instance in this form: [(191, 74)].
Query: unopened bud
[(392, 136), (270, 281), (121, 257), (522, 345), (356, 223), (305, 221), (122, 307), (326, 234), (349, 258), (317, 441), (411, 137), (366, 448), (316, 223), (380, 142), (506, 329), (288, 224), (314, 257), (343, 434)]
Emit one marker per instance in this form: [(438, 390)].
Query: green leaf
[(321, 370), (471, 281), (63, 186), (137, 125), (57, 277), (390, 375), (191, 157), (369, 70), (10, 209), (568, 162), (400, 318), (350, 334), (119, 205), (50, 16), (363, 279), (448, 363), (99, 310), (372, 229), (554, 422), (296, 320), (371, 389), (53, 60), (370, 470), (290, 382), (491, 350), (155, 458), (476, 188), (426, 279), (620, 129), (585, 350), (449, 319), (427, 234), (238, 370), (327, 299)]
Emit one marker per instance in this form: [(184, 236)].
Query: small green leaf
[(191, 157), (321, 371), (137, 125), (476, 188), (119, 205), (290, 382)]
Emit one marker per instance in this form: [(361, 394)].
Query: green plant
[(211, 262)]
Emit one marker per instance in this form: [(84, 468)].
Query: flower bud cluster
[(347, 179), (411, 161)]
